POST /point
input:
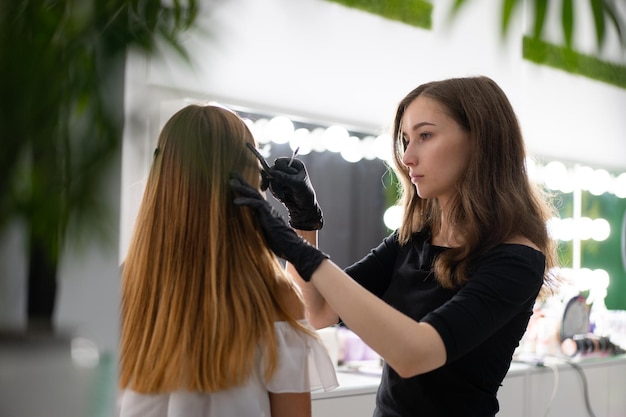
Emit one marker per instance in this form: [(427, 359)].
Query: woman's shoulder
[(522, 240), (516, 260), (514, 253)]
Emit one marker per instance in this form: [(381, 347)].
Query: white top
[(303, 366)]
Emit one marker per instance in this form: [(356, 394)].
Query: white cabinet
[(512, 404), (527, 391), (355, 396), (569, 398), (361, 405), (616, 389), (562, 389)]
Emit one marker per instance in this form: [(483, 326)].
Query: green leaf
[(598, 17), (566, 59), (616, 19), (412, 12), (567, 21), (541, 7), (508, 8), (457, 5)]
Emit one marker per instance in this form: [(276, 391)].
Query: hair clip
[(256, 153), (156, 152)]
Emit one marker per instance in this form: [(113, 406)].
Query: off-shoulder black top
[(481, 323)]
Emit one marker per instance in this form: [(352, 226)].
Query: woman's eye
[(425, 135)]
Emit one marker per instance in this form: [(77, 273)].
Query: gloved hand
[(280, 238), (291, 185)]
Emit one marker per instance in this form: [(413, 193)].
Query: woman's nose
[(409, 158)]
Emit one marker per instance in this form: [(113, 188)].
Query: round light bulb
[(351, 150), (382, 147), (258, 130), (393, 217), (555, 175), (566, 230), (301, 139), (584, 177), (316, 139), (368, 149), (601, 180), (334, 138), (584, 228), (619, 185), (279, 130), (600, 230)]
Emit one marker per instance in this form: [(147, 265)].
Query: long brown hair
[(200, 289), (496, 200)]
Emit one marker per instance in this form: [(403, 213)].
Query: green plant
[(544, 53), (605, 14), (565, 57), (412, 12), (61, 88)]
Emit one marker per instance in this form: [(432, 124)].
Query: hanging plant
[(61, 85)]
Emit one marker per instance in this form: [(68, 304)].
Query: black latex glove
[(280, 238), (291, 185)]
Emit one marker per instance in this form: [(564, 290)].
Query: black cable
[(583, 377), (538, 362)]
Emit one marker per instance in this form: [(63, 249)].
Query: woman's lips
[(416, 178)]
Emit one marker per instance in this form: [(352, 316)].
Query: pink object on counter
[(352, 348)]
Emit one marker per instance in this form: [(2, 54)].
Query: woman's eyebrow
[(420, 124)]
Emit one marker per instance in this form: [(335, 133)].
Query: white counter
[(526, 391)]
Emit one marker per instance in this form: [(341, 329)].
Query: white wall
[(320, 59)]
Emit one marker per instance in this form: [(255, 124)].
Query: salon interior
[(325, 77)]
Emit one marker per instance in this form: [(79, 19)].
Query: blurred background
[(87, 85)]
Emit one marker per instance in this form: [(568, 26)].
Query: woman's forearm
[(408, 346), (318, 312)]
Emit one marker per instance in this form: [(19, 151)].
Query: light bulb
[(600, 181), (351, 150), (619, 186), (393, 217), (316, 139), (600, 230), (566, 230), (555, 175), (301, 139), (258, 131), (334, 137), (382, 147), (279, 130), (584, 228), (584, 177), (367, 146)]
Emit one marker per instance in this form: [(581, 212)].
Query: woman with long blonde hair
[(211, 324)]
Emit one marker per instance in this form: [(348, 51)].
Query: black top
[(481, 324)]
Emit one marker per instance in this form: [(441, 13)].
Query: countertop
[(359, 380)]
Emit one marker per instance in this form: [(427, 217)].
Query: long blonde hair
[(200, 289), (496, 200)]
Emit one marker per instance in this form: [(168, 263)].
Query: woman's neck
[(445, 236), (444, 239)]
